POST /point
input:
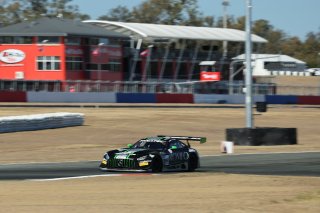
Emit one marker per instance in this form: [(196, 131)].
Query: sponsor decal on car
[(143, 163), (179, 156), (121, 156)]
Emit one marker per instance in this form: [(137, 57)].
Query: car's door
[(178, 152)]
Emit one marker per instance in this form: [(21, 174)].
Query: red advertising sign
[(210, 76)]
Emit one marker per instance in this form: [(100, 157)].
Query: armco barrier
[(136, 98), (40, 121), (72, 97), (174, 98), (312, 100), (281, 99), (14, 96)]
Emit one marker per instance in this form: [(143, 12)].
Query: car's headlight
[(142, 158), (106, 156)]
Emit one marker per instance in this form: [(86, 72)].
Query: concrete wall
[(101, 97)]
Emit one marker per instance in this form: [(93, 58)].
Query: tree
[(311, 50), (63, 8), (14, 11), (119, 13), (173, 12)]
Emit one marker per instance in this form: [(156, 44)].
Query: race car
[(154, 154)]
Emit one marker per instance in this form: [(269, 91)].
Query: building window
[(93, 41), (114, 42), (114, 65), (48, 40), (15, 40), (48, 63), (72, 41), (280, 65), (74, 63)]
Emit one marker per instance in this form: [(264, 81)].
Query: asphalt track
[(284, 164)]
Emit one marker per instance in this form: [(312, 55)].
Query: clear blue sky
[(294, 17)]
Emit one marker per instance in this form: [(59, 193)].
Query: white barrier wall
[(72, 97), (40, 121), (225, 99)]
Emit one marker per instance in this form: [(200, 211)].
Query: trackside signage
[(210, 76), (12, 56)]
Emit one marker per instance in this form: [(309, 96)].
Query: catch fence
[(221, 87)]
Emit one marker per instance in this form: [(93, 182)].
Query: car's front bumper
[(124, 165)]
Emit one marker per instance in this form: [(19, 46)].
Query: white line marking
[(77, 177), (258, 153), (91, 176)]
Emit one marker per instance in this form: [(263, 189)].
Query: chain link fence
[(221, 87)]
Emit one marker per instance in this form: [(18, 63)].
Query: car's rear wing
[(187, 138)]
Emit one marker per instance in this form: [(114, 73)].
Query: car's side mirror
[(129, 145)]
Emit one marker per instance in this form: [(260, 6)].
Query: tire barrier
[(261, 106), (262, 136), (40, 121)]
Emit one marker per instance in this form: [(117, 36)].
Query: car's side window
[(177, 144)]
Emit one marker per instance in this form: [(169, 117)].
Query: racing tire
[(192, 163), (156, 164)]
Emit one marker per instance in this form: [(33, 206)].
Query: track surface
[(293, 164)]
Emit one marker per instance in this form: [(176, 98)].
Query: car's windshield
[(143, 144)]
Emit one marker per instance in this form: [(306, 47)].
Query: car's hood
[(131, 153)]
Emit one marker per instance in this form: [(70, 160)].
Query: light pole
[(248, 79), (225, 4)]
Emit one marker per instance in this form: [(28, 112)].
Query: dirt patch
[(185, 192), (107, 128)]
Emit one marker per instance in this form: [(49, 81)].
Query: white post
[(135, 60), (248, 79)]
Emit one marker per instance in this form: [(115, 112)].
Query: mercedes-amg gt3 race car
[(154, 154)]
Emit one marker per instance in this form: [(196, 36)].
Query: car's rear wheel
[(192, 163), (157, 164)]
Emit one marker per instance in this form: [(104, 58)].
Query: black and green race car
[(154, 154)]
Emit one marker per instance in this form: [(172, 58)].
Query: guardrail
[(221, 87)]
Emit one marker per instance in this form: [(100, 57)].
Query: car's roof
[(155, 139)]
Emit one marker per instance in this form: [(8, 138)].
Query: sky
[(293, 17)]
